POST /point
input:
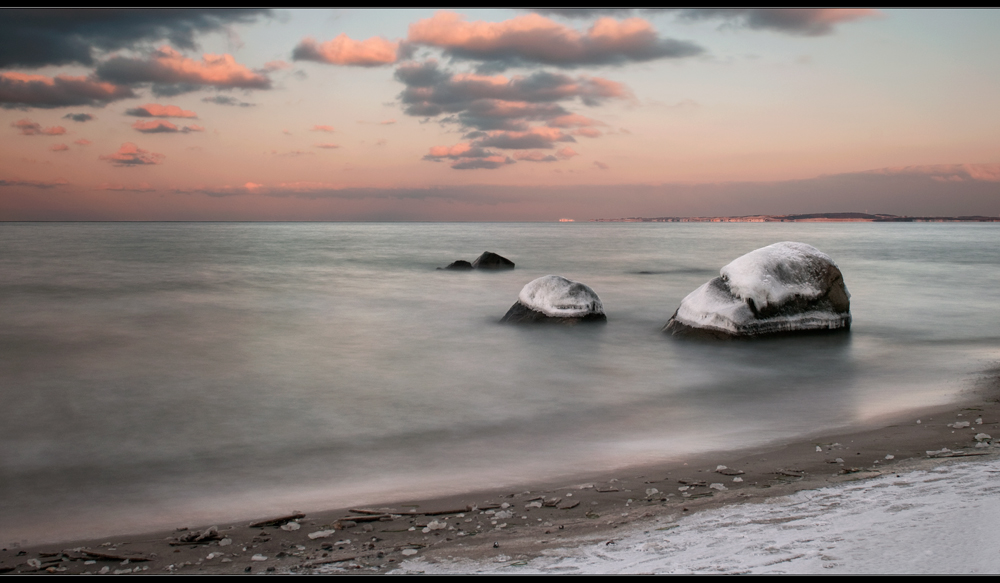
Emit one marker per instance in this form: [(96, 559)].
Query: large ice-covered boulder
[(785, 287), (490, 260), (555, 299)]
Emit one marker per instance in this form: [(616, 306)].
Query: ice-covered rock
[(784, 287), (555, 299), (490, 260)]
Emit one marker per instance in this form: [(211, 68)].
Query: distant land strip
[(810, 218)]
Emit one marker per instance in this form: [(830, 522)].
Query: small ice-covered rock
[(555, 299), (291, 526), (784, 287), (982, 436), (718, 486), (258, 557)]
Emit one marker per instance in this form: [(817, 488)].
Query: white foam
[(559, 297)]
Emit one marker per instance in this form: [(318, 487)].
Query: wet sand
[(517, 524)]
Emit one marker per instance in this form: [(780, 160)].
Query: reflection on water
[(164, 373)]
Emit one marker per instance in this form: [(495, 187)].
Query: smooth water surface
[(156, 375)]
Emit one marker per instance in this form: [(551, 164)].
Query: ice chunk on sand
[(784, 287)]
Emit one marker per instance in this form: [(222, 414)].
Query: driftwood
[(277, 521), (110, 557)]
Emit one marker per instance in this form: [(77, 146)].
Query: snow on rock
[(784, 287), (556, 299)]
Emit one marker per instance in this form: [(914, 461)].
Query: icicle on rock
[(555, 299), (784, 287)]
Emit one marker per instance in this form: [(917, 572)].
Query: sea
[(164, 375)]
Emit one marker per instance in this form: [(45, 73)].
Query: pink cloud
[(387, 122), (155, 127), (277, 65), (535, 157), (327, 146), (117, 187), (344, 50), (587, 132), (157, 110), (536, 137), (566, 153), (169, 67), (193, 128), (131, 155), (24, 90), (573, 120), (82, 142), (59, 147), (532, 38), (328, 129), (26, 127)]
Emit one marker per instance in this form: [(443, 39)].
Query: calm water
[(167, 374)]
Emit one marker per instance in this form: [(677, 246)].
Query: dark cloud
[(40, 37), (227, 100), (171, 73), (157, 110), (80, 117), (797, 21), (21, 91), (33, 183), (26, 127)]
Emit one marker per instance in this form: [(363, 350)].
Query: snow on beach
[(938, 520)]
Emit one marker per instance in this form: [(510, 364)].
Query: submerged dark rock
[(782, 288), (490, 260), (460, 265), (555, 300)]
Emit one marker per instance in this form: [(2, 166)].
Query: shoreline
[(521, 523)]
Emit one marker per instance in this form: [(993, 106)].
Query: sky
[(496, 115)]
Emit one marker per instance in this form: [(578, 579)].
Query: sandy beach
[(511, 527)]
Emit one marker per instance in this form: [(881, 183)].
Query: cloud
[(22, 91), (343, 50), (26, 127), (156, 110), (163, 127), (33, 183), (387, 122), (40, 37), (58, 147), (320, 128), (131, 155), (193, 128), (327, 146), (516, 113), (601, 165), (227, 100), (945, 172), (82, 142), (276, 65), (532, 39), (171, 73), (797, 21), (80, 117), (567, 153), (116, 187), (587, 132), (535, 157)]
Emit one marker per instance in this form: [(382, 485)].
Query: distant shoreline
[(807, 218)]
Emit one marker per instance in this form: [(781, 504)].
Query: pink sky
[(496, 114)]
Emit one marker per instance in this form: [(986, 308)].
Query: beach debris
[(197, 538), (555, 300), (225, 542), (117, 558), (291, 526), (791, 473), (34, 563), (889, 456), (551, 502), (982, 437), (692, 482), (718, 486), (737, 479), (409, 552), (728, 471), (818, 448), (534, 504), (320, 534), (979, 420), (959, 424), (851, 470), (651, 491), (277, 521), (568, 505), (343, 524), (367, 511), (435, 525), (258, 558), (607, 489), (945, 452), (784, 287)]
